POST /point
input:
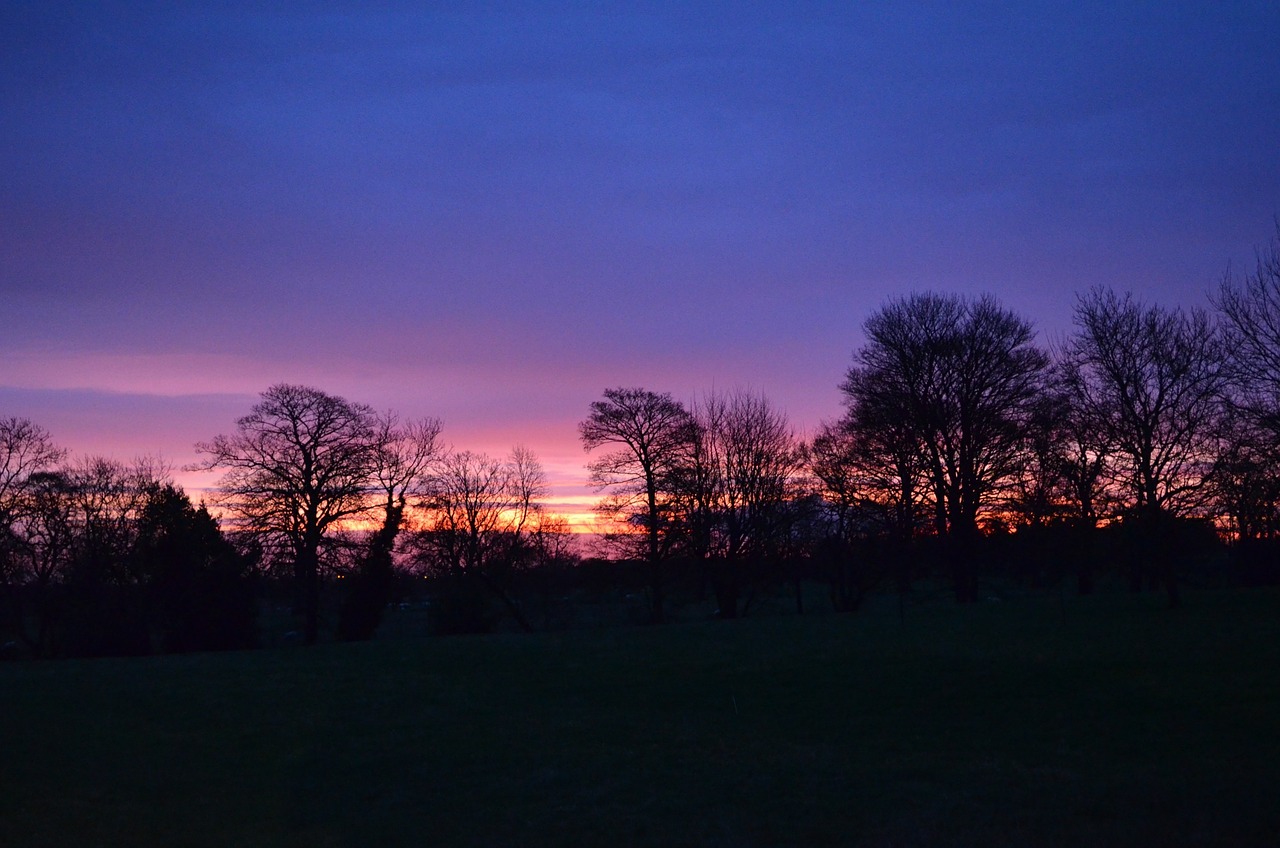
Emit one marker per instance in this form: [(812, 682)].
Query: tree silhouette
[(652, 437), (1251, 306), (870, 482), (1245, 481), (300, 464), (27, 557), (41, 542), (198, 585), (958, 378), (1151, 379), (404, 452), (480, 514), (25, 449), (739, 484)]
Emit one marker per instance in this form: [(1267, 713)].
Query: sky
[(490, 212)]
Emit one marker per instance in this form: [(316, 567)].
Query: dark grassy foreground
[(1127, 724)]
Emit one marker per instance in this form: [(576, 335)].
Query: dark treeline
[(102, 559), (1142, 451), (1144, 448)]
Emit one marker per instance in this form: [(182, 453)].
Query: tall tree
[(873, 458), (300, 464), (957, 377), (404, 450), (198, 587), (1246, 481), (869, 478), (1245, 478), (651, 436), (1152, 380), (41, 540), (27, 455), (1251, 307), (480, 515), (25, 449), (1079, 453), (746, 463)]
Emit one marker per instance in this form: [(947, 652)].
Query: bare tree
[(27, 454), (1078, 454), (958, 378), (1151, 380), (745, 473), (1062, 490), (870, 480), (1245, 481), (874, 457), (300, 464), (1244, 476), (25, 449), (651, 436), (108, 497), (1251, 306), (404, 452), (72, 542), (833, 464), (480, 513), (41, 540)]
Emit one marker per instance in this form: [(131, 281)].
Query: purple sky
[(489, 215)]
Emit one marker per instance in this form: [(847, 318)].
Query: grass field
[(1111, 721)]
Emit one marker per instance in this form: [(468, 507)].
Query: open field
[(1114, 722)]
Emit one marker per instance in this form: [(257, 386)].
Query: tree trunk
[(655, 591), (964, 565), (306, 574), (725, 585), (371, 587)]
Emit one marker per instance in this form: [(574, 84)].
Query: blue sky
[(491, 212)]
